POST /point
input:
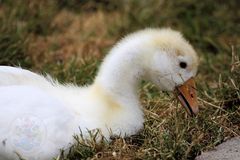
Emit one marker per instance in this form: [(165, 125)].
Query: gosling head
[(170, 62)]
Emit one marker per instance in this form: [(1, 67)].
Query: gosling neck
[(121, 73)]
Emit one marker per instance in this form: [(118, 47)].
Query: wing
[(19, 76), (33, 123)]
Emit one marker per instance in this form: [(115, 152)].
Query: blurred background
[(37, 32), (69, 38)]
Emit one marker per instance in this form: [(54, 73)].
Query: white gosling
[(39, 116)]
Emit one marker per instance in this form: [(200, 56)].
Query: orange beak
[(187, 96)]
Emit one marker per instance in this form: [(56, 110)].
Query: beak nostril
[(191, 95)]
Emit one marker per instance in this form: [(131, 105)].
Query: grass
[(69, 38)]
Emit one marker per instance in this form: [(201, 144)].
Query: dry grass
[(75, 36)]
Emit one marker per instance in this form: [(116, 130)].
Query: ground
[(69, 38)]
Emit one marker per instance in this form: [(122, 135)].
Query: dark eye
[(183, 64)]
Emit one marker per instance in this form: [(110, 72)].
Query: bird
[(39, 115)]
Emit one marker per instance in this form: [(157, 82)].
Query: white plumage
[(40, 116)]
